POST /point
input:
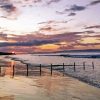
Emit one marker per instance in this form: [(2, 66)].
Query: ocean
[(88, 74)]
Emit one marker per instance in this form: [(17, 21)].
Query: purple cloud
[(8, 9), (72, 10), (52, 1), (94, 2), (94, 26), (76, 8), (72, 14)]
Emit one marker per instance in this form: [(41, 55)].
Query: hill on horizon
[(5, 53)]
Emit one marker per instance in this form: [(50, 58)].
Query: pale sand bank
[(46, 88)]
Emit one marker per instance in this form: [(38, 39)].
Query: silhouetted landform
[(81, 56), (76, 51), (6, 53), (65, 51), (87, 50), (73, 56)]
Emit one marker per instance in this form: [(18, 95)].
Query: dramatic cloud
[(36, 40), (36, 1), (28, 43), (53, 26), (76, 8), (47, 29), (94, 2), (41, 25), (52, 1), (72, 9), (72, 14), (3, 36), (26, 2), (60, 12), (40, 42), (31, 3), (8, 9), (94, 26), (55, 22)]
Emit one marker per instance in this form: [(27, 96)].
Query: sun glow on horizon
[(49, 47), (90, 40), (1, 41), (49, 25)]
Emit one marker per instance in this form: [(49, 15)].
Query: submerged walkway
[(46, 88)]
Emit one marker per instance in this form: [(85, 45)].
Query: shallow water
[(88, 75), (47, 60)]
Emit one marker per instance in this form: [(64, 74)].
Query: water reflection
[(12, 63), (7, 97), (6, 68)]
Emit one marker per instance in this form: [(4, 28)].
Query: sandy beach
[(46, 88)]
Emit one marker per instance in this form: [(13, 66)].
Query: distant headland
[(6, 53)]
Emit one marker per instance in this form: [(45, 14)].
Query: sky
[(28, 26)]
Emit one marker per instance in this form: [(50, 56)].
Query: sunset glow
[(40, 25), (49, 47), (90, 40)]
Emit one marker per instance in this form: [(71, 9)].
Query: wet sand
[(46, 88)]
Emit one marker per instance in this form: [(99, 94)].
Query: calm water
[(45, 60), (88, 75)]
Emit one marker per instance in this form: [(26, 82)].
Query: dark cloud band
[(94, 2)]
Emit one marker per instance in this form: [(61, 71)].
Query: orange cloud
[(83, 47), (90, 40), (52, 47)]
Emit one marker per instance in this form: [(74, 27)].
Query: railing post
[(93, 65), (13, 70), (74, 67), (83, 65), (0, 69), (40, 70), (27, 69), (51, 69), (63, 69)]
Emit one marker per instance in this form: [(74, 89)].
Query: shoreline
[(44, 87), (87, 81), (80, 78)]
